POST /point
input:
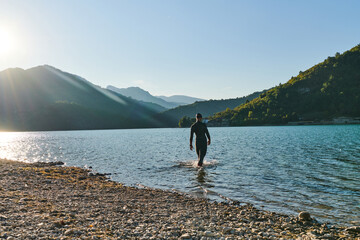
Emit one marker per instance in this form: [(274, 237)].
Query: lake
[(284, 169)]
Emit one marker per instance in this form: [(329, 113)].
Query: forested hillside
[(329, 89), (206, 108)]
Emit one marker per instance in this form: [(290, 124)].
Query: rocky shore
[(45, 201)]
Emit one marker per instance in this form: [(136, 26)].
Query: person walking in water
[(202, 134)]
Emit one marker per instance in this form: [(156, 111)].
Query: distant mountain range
[(328, 90), (142, 95), (46, 98), (181, 99)]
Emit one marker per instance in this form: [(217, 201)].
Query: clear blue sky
[(201, 48)]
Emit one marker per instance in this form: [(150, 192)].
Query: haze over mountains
[(181, 99), (142, 95)]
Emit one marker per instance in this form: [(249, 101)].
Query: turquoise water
[(284, 169)]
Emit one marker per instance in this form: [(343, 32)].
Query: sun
[(7, 42)]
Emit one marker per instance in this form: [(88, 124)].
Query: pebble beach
[(48, 201)]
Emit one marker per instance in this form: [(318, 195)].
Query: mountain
[(46, 98), (328, 90), (142, 95), (181, 99), (206, 108)]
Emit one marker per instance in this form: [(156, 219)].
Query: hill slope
[(327, 90), (46, 98), (206, 108)]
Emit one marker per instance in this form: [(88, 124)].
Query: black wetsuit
[(201, 132)]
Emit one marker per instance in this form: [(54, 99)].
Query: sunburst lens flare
[(7, 42)]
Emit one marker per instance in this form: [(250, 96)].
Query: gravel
[(47, 201)]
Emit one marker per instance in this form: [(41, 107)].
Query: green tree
[(185, 122)]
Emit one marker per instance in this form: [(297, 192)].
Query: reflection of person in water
[(201, 176), (202, 134)]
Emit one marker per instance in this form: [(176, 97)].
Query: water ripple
[(284, 169)]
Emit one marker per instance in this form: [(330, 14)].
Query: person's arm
[(191, 138), (208, 136)]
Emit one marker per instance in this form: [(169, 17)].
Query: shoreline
[(176, 127), (46, 201)]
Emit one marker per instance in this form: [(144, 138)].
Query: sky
[(201, 48)]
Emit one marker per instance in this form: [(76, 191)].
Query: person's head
[(198, 117)]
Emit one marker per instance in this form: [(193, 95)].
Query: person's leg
[(202, 153), (197, 149)]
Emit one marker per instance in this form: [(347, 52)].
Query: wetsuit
[(201, 132)]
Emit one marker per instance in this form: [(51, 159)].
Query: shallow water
[(284, 169)]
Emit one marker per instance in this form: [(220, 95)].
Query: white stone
[(185, 236)]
